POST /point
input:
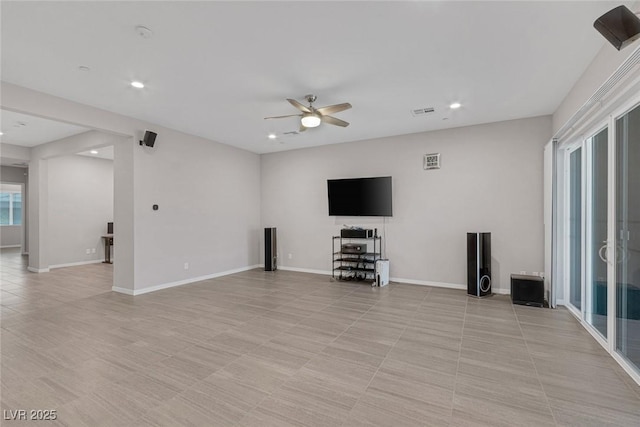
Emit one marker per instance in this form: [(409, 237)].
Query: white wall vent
[(422, 111), (431, 161)]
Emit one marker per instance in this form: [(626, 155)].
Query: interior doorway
[(12, 215)]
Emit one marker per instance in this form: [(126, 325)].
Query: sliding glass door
[(602, 233), (587, 250), (575, 228), (627, 229), (597, 250)]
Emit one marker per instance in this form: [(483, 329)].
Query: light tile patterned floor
[(291, 349)]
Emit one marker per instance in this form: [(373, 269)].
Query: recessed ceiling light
[(94, 151), (137, 84), (1, 133), (455, 105), (144, 32), (272, 136)]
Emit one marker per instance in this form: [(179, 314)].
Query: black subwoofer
[(527, 290), (479, 264)]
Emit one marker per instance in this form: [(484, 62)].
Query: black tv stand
[(347, 265)]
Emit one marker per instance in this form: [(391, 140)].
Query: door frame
[(578, 143)]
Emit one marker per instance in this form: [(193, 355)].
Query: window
[(10, 208)]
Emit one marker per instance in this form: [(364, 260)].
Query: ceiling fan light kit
[(310, 120), (312, 117)]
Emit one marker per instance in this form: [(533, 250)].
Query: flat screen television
[(360, 196)]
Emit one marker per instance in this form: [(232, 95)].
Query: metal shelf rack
[(351, 266)]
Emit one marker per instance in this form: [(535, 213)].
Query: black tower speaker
[(619, 26), (270, 250), (149, 138), (479, 264)]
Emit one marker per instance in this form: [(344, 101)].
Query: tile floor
[(291, 349)]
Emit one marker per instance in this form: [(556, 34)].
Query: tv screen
[(360, 196)]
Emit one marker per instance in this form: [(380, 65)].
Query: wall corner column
[(38, 202), (123, 217)]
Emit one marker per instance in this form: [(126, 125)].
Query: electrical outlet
[(93, 250), (88, 251), (186, 265), (290, 256), (523, 272)]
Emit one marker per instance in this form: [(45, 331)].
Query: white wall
[(14, 154), (13, 175), (208, 193), (40, 243), (604, 64), (209, 209), (80, 205), (491, 180), (10, 236)]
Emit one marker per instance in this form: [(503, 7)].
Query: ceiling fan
[(312, 116)]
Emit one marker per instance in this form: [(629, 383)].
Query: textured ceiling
[(215, 69)]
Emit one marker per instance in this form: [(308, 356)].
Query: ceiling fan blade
[(334, 121), (302, 128), (299, 106), (334, 108), (282, 117)]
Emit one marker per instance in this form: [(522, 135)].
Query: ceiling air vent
[(291, 133), (431, 161), (422, 111)]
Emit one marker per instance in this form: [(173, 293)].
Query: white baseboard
[(122, 290), (396, 280), (74, 264), (303, 270), (10, 246), (428, 283), (136, 292), (447, 285), (71, 264), (560, 302), (286, 268)]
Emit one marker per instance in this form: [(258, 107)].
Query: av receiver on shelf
[(356, 233), (353, 248)]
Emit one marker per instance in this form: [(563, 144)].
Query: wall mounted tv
[(360, 196)]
